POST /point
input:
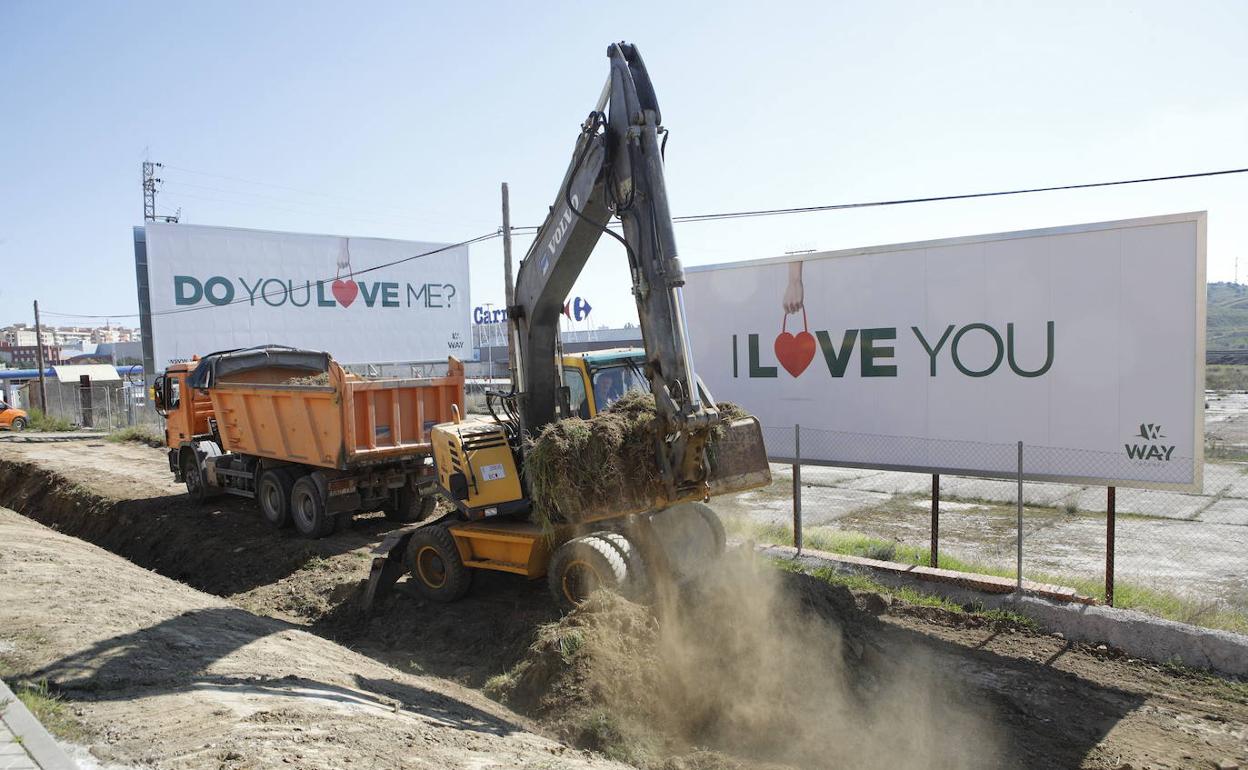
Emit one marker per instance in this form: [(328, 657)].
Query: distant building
[(27, 356)]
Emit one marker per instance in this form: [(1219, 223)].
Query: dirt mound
[(576, 467), (162, 675), (749, 665)]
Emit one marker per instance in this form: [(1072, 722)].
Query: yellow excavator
[(616, 171)]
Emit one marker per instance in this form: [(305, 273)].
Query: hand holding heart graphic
[(795, 351)]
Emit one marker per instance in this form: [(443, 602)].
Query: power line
[(936, 198), (530, 229), (533, 229), (250, 298)]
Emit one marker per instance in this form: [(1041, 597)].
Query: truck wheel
[(193, 475), (410, 506), (583, 565), (18, 425), (307, 509), (273, 491), (436, 568)]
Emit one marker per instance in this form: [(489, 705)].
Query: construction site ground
[(186, 636)]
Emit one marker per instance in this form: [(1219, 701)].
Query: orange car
[(12, 417)]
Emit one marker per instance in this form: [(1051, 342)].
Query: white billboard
[(1086, 343), (215, 288)]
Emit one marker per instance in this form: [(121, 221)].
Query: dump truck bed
[(274, 412)]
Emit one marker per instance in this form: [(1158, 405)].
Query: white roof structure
[(94, 372)]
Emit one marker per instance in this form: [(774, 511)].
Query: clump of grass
[(139, 434), (311, 379), (51, 711), (576, 468), (37, 419)]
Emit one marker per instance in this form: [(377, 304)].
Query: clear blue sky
[(401, 119)]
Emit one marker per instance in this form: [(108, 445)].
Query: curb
[(1135, 633), (34, 738), (49, 438)]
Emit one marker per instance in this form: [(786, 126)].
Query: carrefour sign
[(364, 300), (1086, 343)]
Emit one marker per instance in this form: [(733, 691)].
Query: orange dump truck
[(310, 441)]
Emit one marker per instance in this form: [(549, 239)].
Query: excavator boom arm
[(616, 169)]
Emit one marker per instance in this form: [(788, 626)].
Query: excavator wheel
[(434, 563), (585, 564), (692, 537)]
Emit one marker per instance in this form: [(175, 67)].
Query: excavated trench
[(757, 668)]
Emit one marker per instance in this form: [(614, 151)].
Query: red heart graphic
[(795, 351), (345, 291)]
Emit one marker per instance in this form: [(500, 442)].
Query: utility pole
[(43, 380), (149, 190), (513, 338), (150, 181)]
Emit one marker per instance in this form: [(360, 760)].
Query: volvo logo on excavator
[(561, 229)]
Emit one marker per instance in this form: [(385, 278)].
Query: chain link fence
[(104, 407), (1181, 555)]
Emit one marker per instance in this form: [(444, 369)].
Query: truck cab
[(186, 410)]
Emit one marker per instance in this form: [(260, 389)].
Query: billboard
[(1086, 343), (212, 288)]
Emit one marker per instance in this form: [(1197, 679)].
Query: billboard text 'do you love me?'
[(940, 356), (215, 288)]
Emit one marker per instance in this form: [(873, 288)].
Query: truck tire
[(193, 475), (307, 509), (692, 537), (583, 565), (434, 563), (18, 425), (273, 494), (410, 506)]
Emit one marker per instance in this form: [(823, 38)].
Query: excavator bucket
[(738, 458)]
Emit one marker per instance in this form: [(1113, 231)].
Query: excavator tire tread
[(590, 558), (433, 560)]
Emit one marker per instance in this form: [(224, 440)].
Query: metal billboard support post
[(934, 552), (1019, 584), (1110, 521), (797, 488)]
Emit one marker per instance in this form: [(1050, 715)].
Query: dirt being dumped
[(751, 666), (577, 467)]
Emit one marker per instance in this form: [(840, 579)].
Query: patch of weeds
[(1127, 594), (1011, 619), (139, 434), (40, 421), (498, 684), (570, 644), (600, 731), (1230, 688), (315, 562), (51, 711)]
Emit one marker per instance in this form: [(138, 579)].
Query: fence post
[(797, 488), (1110, 516), (1019, 580), (934, 553)]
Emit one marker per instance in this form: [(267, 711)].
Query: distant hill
[(1226, 320)]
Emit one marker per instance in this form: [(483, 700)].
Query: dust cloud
[(751, 667)]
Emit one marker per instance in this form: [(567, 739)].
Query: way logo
[(1150, 446), (795, 351)]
